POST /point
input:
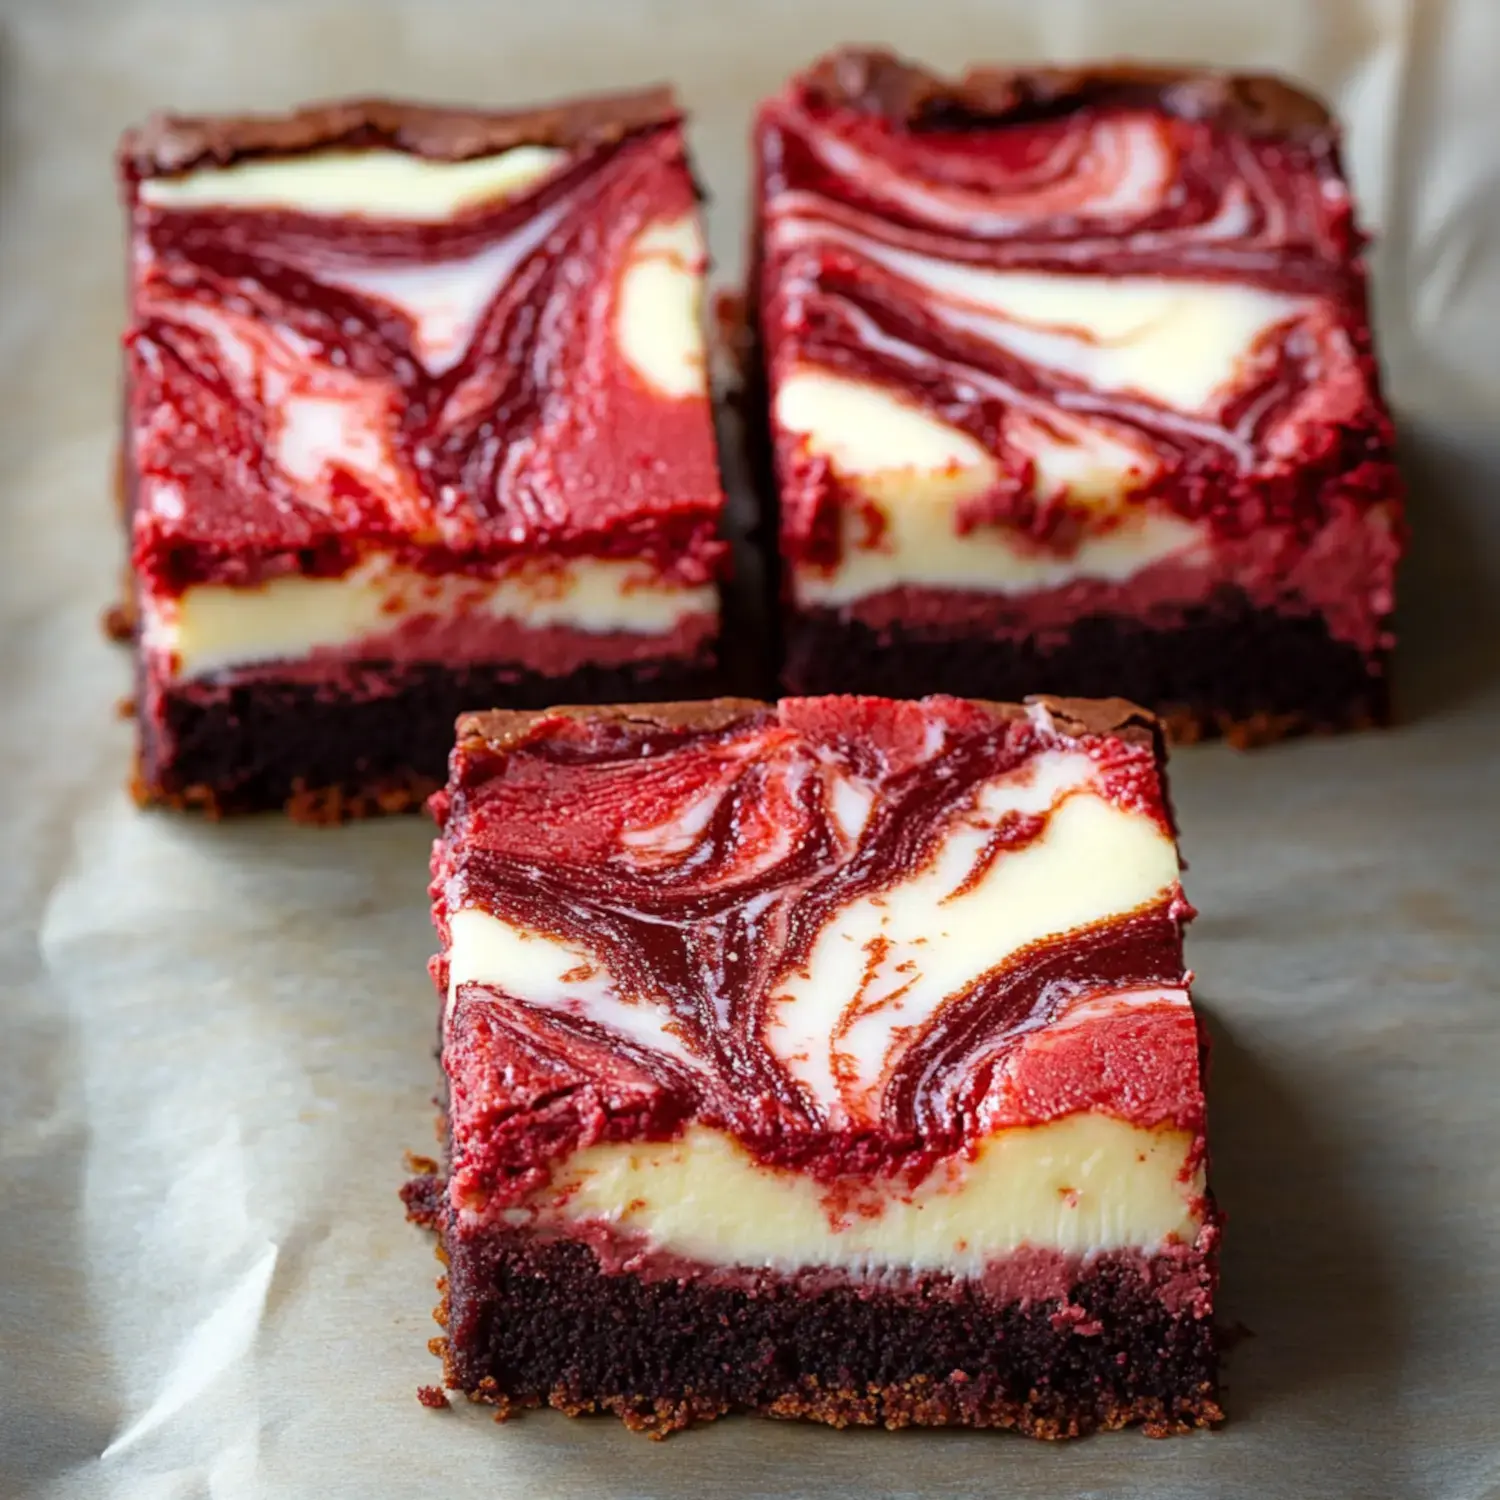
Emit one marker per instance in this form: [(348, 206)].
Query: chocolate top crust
[(168, 144), (877, 82), (500, 729), (1079, 716)]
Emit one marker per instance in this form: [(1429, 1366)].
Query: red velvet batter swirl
[(546, 834), (1109, 185), (537, 436)]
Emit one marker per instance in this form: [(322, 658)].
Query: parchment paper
[(215, 1041)]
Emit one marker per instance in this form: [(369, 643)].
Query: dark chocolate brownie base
[(532, 1322), (1250, 675), (377, 742)]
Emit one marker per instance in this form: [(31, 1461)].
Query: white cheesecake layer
[(1180, 343), (922, 548), (213, 627), (659, 319), (376, 183), (864, 429), (1079, 1184), (917, 474), (920, 545), (885, 963)]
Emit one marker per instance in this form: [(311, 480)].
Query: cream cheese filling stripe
[(918, 473), (381, 183), (1083, 1183), (212, 627)]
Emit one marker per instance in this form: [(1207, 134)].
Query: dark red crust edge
[(530, 1322), (168, 144), (875, 81)]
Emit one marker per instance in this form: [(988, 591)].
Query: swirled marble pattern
[(838, 948), (424, 391), (1111, 342)]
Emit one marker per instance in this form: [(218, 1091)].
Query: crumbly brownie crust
[(168, 144), (259, 744), (1229, 670), (533, 1322), (877, 82)]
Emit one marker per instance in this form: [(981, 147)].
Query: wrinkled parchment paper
[(215, 1042)]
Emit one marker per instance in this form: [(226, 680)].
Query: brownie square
[(1065, 384), (417, 420), (830, 1059)]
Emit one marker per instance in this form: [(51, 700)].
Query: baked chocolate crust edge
[(501, 729), (528, 1323), (327, 753), (168, 144), (875, 81), (1225, 670), (498, 730)]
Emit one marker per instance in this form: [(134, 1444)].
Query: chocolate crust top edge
[(874, 81), (1117, 717), (502, 729), (168, 144)]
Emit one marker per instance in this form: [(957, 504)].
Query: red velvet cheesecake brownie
[(417, 421), (830, 1059), (1069, 388)]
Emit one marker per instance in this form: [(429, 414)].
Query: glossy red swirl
[(707, 927), (531, 435), (861, 217)]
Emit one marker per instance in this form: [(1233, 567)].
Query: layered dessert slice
[(1067, 386), (417, 421), (829, 1059)]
